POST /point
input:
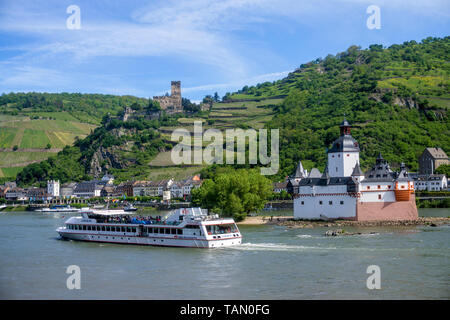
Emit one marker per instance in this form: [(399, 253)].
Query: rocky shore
[(289, 222)]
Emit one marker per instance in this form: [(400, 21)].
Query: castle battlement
[(172, 103)]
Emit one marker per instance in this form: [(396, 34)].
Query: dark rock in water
[(334, 233), (433, 225)]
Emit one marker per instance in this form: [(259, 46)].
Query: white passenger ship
[(186, 227)]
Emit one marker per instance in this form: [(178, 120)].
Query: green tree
[(234, 193), (443, 169)]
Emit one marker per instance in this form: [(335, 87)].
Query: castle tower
[(176, 95), (176, 89), (344, 154)]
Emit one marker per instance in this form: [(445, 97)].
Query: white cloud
[(237, 84)]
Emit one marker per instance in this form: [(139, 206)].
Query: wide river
[(272, 263)]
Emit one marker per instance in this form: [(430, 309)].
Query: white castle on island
[(343, 191)]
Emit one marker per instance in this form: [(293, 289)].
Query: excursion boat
[(59, 208), (130, 207), (185, 227)]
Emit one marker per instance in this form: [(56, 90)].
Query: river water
[(273, 263)]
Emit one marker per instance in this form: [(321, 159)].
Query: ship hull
[(151, 240)]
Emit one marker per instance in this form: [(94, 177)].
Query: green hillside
[(396, 98), (34, 126)]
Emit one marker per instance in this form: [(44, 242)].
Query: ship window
[(330, 202), (379, 197), (155, 230), (303, 202), (133, 229), (173, 231), (379, 187), (389, 187), (108, 228), (179, 231), (341, 202), (368, 187), (320, 202), (167, 231), (220, 229), (84, 227), (348, 155), (150, 230)]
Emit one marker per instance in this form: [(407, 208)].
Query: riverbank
[(289, 222)]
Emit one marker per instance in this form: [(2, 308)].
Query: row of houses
[(10, 191), (102, 188)]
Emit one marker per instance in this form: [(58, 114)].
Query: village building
[(280, 186), (53, 188), (16, 194), (176, 189), (431, 159), (430, 182), (67, 190), (88, 189), (344, 191), (123, 189)]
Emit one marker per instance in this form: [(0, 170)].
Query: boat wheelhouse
[(185, 227)]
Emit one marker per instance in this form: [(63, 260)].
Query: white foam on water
[(277, 247), (289, 247), (304, 236)]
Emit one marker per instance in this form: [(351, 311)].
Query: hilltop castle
[(172, 103), (344, 191)]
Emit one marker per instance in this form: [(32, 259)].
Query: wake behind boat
[(185, 227)]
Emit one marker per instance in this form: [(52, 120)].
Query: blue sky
[(137, 47)]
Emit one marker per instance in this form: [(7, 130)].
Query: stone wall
[(388, 211)]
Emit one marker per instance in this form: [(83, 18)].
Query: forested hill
[(85, 108), (396, 98)]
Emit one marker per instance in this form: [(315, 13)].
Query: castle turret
[(344, 154)]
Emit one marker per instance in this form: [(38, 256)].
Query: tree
[(235, 193), (443, 169), (216, 97)]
